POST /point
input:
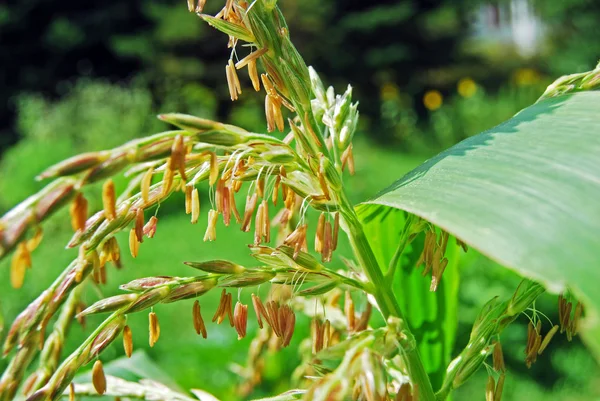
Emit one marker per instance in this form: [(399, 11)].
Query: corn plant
[(524, 193)]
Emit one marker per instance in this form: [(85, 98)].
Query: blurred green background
[(80, 76)]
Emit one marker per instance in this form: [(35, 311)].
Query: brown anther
[(232, 205), (317, 336), (438, 271), (320, 234), (260, 187), (150, 227), (308, 127), (574, 326), (240, 319), (211, 229), (134, 245), (269, 113), (191, 5), (249, 210), (288, 323), (214, 169), (21, 260), (188, 199), (71, 391), (266, 222), (363, 321), (154, 328), (349, 311), (145, 184), (233, 82), (127, 341), (139, 224), (348, 160), (326, 328), (79, 211), (195, 205), (404, 393), (296, 239), (547, 339), (98, 378), (229, 309), (178, 150), (259, 309), (498, 357), (336, 230), (251, 57), (289, 200), (109, 199), (258, 224), (273, 314), (199, 325), (221, 307), (327, 243), (167, 181), (253, 74), (490, 388), (499, 388), (275, 195)]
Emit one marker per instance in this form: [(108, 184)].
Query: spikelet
[(127, 341), (240, 319), (199, 325), (109, 199), (134, 245), (79, 211), (211, 229), (154, 328), (145, 185), (98, 378), (195, 206)]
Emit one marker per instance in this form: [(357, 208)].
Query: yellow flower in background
[(466, 87), (389, 91), (526, 76), (433, 99)]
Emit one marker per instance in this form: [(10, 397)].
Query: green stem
[(385, 298)]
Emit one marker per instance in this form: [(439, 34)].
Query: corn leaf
[(526, 194)]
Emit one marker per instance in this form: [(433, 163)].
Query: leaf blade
[(525, 193)]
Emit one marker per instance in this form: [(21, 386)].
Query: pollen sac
[(240, 319), (154, 328), (150, 228), (98, 378), (199, 325), (127, 341), (109, 199)]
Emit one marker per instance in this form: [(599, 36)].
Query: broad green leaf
[(432, 316), (526, 194)]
